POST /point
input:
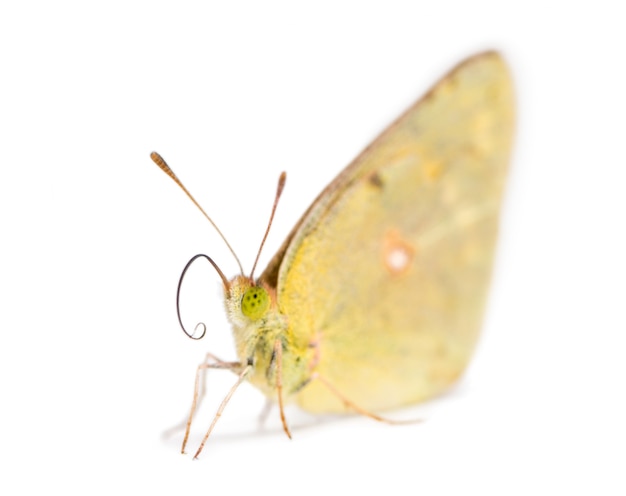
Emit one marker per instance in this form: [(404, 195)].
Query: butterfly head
[(247, 302)]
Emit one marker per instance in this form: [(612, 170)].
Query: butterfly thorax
[(257, 327)]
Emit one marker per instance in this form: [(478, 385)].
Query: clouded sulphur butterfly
[(375, 299)]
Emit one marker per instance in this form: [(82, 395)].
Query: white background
[(93, 366)]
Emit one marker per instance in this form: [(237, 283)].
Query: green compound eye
[(254, 303)]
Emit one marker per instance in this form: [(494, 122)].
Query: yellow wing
[(388, 270)]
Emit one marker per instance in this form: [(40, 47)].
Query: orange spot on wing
[(398, 253)]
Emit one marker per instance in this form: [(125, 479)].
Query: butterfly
[(375, 299)]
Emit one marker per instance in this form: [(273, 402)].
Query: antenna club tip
[(157, 159), (281, 183), (162, 164)]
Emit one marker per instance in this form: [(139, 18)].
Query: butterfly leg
[(242, 375), (348, 403), (204, 366), (278, 354), (210, 362)]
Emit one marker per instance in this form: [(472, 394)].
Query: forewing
[(388, 271)]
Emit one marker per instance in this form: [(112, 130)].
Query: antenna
[(157, 159), (279, 191)]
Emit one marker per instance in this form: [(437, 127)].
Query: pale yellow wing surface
[(389, 269)]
